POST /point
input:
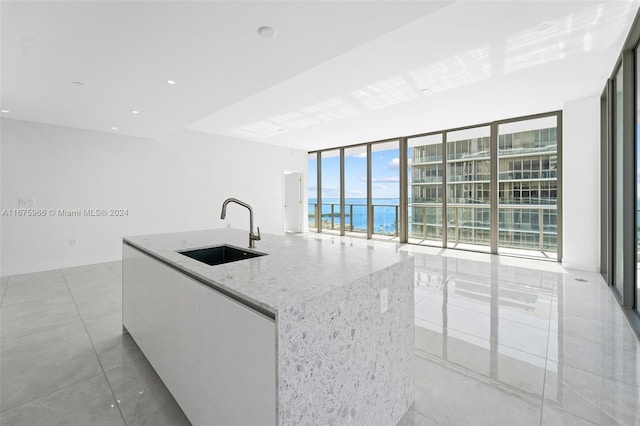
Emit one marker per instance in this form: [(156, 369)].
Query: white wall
[(174, 184), (581, 184)]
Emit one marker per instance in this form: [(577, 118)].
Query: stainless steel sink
[(218, 255)]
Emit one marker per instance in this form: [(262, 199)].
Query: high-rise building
[(527, 185)]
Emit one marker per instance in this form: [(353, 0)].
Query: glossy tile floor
[(499, 341)]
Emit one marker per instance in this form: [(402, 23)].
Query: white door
[(292, 201)]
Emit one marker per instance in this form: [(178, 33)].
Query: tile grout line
[(51, 393), (601, 376), (44, 331), (115, 400), (4, 291), (517, 322), (489, 340), (544, 382), (23, 302), (114, 274), (593, 342), (415, 354), (546, 360)]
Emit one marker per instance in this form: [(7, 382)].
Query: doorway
[(292, 201)]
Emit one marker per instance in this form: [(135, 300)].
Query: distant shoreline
[(384, 218)]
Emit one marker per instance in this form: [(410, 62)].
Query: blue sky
[(385, 170)]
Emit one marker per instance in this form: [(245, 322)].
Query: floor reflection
[(514, 343)]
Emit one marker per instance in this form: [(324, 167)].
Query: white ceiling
[(338, 72)]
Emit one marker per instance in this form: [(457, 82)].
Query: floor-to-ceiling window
[(355, 186), (330, 189), (637, 185), (468, 188), (385, 188), (312, 191), (528, 185), (425, 179), (620, 186), (493, 187), (618, 182)]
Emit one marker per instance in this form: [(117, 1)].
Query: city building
[(527, 191)]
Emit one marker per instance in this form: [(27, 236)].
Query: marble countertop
[(296, 268)]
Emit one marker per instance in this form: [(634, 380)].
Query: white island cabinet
[(213, 353), (313, 332)]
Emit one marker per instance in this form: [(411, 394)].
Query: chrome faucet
[(252, 237)]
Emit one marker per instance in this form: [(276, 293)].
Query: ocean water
[(384, 213)]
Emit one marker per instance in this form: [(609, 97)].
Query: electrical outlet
[(384, 300), (72, 242)]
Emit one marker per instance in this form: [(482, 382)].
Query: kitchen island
[(314, 331)]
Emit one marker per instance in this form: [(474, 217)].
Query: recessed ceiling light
[(267, 32), (135, 111), (5, 111), (170, 81), (114, 128)]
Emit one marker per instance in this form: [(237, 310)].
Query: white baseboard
[(26, 269), (591, 267)]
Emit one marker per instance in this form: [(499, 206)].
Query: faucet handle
[(257, 237)]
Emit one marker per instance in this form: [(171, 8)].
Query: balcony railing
[(470, 224), (638, 235), (426, 159), (550, 147), (528, 174), (521, 227), (386, 217), (427, 179)]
